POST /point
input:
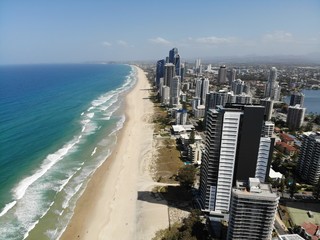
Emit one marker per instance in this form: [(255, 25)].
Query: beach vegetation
[(187, 176), (191, 228)]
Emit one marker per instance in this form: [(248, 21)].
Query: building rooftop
[(273, 174), (254, 189), (290, 237), (286, 137)]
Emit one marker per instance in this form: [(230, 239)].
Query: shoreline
[(116, 203)]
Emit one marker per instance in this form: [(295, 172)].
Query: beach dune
[(112, 206)]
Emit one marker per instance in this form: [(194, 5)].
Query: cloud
[(213, 40), (278, 36), (122, 43), (160, 40), (107, 44)]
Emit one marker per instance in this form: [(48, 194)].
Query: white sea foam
[(50, 161), (90, 115), (94, 151), (7, 207), (29, 229), (82, 113)]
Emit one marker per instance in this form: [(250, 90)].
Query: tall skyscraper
[(169, 73), (297, 98), (202, 88), (252, 212), (264, 158), (159, 71), (238, 86), (232, 147), (309, 158), (172, 53), (272, 89), (231, 75), (268, 106), (222, 75), (175, 91), (295, 117), (182, 72), (197, 92), (177, 64), (198, 68)]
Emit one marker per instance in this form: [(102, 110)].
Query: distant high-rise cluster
[(169, 75), (236, 155)]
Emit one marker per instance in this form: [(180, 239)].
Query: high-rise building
[(172, 53), (295, 117), (220, 145), (273, 89), (202, 88), (309, 158), (181, 117), (267, 129), (297, 98), (175, 91), (197, 92), (268, 106), (159, 71), (264, 157), (252, 211), (182, 72), (198, 68), (177, 64), (231, 75), (169, 73), (237, 86), (222, 75), (232, 151), (165, 96)]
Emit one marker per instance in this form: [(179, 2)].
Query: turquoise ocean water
[(58, 123)]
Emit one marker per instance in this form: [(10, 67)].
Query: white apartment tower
[(295, 117), (273, 89), (175, 91), (252, 211)]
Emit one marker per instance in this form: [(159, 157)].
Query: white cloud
[(278, 36), (160, 40), (108, 44), (122, 43), (213, 40)]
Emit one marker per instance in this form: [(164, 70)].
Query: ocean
[(58, 124)]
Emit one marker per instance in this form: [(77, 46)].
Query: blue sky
[(63, 31)]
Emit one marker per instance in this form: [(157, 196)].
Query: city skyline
[(63, 32)]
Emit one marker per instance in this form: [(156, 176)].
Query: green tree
[(187, 175), (308, 127)]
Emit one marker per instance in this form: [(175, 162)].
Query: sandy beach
[(117, 203)]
